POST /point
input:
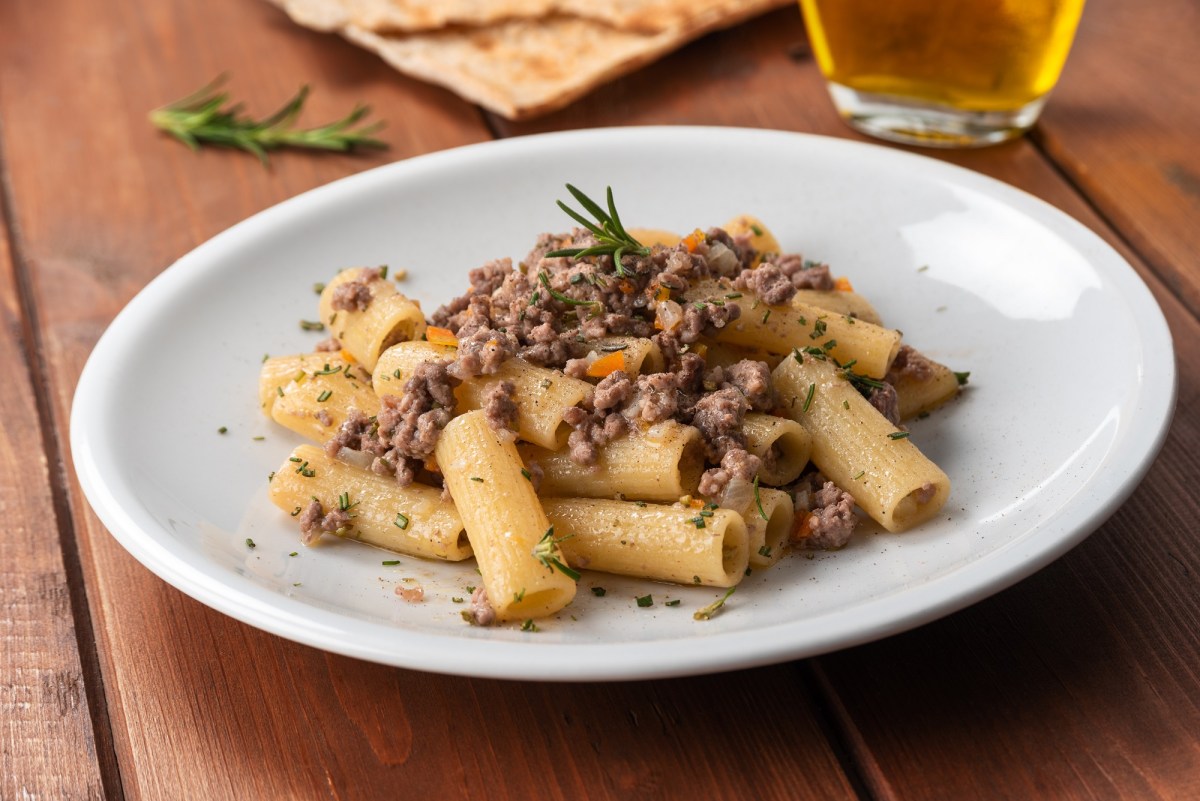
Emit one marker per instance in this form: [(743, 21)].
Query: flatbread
[(413, 16), (521, 67)]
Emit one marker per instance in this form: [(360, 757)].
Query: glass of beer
[(945, 73)]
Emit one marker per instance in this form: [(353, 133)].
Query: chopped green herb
[(250, 544), (923, 268), (328, 370), (808, 399), (279, 390), (222, 430), (456, 599), (577, 278), (401, 521), (383, 270), (758, 500), (546, 551), (297, 584), (645, 600), (733, 296), (294, 553), (845, 404), (324, 396), (560, 297), (477, 478), (545, 383), (697, 521), (470, 588), (818, 329), (527, 474), (312, 325), (962, 377), (296, 511), (829, 345), (344, 502), (271, 476), (390, 562), (258, 438), (519, 596), (529, 625), (614, 347), (675, 602), (640, 504), (599, 592), (707, 612), (318, 288), (766, 314), (764, 552), (898, 435), (757, 231), (265, 357), (796, 355), (698, 304)]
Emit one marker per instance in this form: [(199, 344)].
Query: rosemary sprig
[(611, 236), (546, 551), (205, 118)]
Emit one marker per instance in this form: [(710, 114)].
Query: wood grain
[(1124, 123), (199, 701), (47, 748), (1079, 682), (1082, 681)]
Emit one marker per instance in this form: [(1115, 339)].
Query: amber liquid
[(970, 55)]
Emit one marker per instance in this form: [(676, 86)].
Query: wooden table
[(1083, 681)]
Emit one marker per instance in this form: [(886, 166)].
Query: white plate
[(1072, 388)]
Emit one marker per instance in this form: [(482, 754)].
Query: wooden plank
[(199, 701), (1124, 123), (47, 747), (1081, 681)]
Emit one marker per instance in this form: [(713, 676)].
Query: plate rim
[(530, 660)]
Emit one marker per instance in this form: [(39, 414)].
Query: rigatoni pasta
[(514, 546), (611, 405)]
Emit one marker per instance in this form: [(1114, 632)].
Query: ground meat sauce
[(830, 518), (315, 521), (550, 310), (355, 294), (911, 364)]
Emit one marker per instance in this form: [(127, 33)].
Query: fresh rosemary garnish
[(205, 118), (611, 237), (546, 551)]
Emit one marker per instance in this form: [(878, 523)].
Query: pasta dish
[(683, 408)]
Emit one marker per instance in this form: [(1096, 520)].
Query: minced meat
[(500, 406), (830, 519), (355, 294)]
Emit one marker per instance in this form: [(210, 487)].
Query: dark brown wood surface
[(1080, 682)]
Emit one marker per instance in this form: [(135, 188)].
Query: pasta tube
[(857, 448), (389, 317), (761, 238), (542, 395), (782, 444), (917, 395), (662, 463), (850, 304), (411, 520), (768, 538), (846, 339), (667, 543), (513, 543), (313, 394)]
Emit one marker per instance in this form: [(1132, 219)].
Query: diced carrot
[(626, 286), (696, 503), (842, 284), (606, 364), (693, 240), (348, 356), (662, 293), (431, 464), (440, 336), (700, 350)]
